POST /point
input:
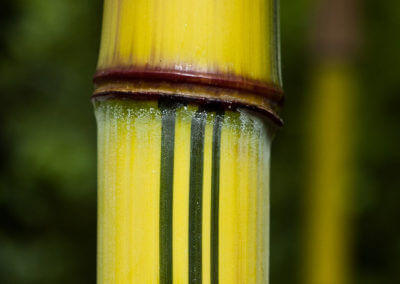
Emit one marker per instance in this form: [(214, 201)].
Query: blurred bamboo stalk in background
[(328, 226), (186, 100), (330, 149)]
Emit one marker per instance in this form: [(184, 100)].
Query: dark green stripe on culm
[(216, 155), (196, 196), (168, 115)]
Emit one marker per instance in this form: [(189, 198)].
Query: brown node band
[(226, 90)]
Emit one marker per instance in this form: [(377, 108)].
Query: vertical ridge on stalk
[(207, 196), (145, 202), (228, 229), (166, 191), (121, 221), (195, 196), (251, 262), (184, 116), (107, 198), (216, 156), (263, 222)]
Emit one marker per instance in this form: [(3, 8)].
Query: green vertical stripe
[(195, 196), (216, 153), (166, 190)]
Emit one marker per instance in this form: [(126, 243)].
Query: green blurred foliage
[(48, 141), (48, 52)]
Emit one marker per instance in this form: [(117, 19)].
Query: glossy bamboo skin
[(183, 160), (183, 194), (228, 38)]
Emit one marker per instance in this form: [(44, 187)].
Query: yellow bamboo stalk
[(330, 169), (186, 93), (330, 144)]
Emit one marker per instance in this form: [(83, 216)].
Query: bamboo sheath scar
[(186, 97)]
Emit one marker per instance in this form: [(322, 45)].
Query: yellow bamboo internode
[(233, 218), (331, 119), (224, 51), (329, 190)]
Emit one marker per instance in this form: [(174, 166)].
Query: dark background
[(48, 53)]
